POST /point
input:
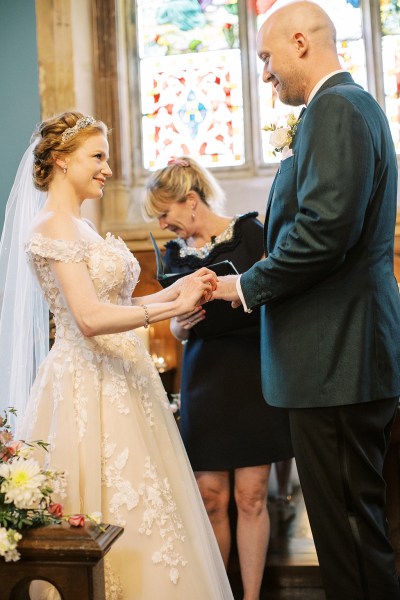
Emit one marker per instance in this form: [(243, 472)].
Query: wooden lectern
[(70, 558)]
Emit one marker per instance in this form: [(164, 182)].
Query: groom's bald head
[(297, 44)]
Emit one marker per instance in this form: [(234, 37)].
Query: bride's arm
[(167, 294), (94, 317), (164, 295)]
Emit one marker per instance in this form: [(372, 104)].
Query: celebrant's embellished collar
[(184, 255), (205, 250)]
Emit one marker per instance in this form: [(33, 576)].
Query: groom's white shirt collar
[(321, 82)]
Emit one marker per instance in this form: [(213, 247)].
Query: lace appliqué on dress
[(63, 250), (159, 508), (124, 495), (114, 590)]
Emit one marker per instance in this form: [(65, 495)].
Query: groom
[(331, 309)]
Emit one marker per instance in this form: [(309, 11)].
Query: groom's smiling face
[(280, 59)]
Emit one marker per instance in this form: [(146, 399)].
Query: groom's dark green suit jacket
[(330, 325)]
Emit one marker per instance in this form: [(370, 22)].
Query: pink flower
[(14, 447), (5, 437), (77, 520), (10, 451), (56, 509)]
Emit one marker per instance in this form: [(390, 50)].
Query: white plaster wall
[(247, 194), (243, 194)]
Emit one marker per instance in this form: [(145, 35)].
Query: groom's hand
[(226, 290)]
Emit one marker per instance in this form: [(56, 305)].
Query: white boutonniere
[(281, 138)]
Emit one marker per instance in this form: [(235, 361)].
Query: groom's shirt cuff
[(240, 294)]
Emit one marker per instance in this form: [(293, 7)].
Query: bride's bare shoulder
[(55, 225)]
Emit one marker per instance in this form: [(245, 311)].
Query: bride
[(97, 397)]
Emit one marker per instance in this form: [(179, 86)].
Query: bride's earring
[(64, 170), (193, 215)]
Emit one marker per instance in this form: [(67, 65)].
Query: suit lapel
[(270, 197), (339, 79)]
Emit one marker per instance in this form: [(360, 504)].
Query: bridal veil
[(24, 314)]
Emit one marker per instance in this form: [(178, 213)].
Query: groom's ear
[(301, 43)]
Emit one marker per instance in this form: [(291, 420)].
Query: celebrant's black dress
[(225, 421)]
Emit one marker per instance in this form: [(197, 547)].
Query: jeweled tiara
[(80, 124)]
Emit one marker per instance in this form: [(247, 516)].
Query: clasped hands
[(212, 288)]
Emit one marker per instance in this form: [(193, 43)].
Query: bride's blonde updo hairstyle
[(175, 181), (61, 134)]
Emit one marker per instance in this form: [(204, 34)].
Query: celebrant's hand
[(190, 319), (181, 326)]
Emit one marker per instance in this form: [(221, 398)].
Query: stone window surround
[(83, 63)]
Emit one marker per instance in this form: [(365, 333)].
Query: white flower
[(96, 517), (23, 480), (56, 482), (25, 451), (286, 152), (174, 575), (9, 539), (280, 138)]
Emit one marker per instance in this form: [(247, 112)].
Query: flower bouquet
[(26, 491)]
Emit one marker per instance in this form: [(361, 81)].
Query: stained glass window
[(190, 81), (390, 21), (196, 64), (390, 17)]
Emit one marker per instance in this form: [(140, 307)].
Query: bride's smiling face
[(87, 167)]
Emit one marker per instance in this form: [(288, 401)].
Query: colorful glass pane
[(192, 104), (390, 17), (347, 19), (168, 27)]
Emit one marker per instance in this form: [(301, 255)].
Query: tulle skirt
[(101, 405)]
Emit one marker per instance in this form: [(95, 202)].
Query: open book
[(221, 318), (224, 267)]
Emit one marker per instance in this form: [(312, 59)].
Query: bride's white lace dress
[(100, 403)]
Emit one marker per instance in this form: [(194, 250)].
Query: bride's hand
[(195, 289)]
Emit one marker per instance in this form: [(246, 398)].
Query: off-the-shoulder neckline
[(101, 240)]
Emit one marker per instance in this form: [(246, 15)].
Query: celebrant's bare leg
[(214, 489), (253, 527)]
